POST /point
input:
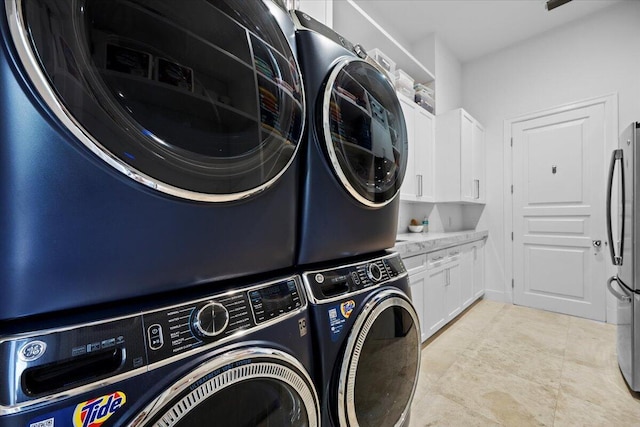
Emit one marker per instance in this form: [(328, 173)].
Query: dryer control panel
[(50, 364), (353, 278)]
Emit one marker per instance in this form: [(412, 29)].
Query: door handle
[(616, 156), (597, 243)]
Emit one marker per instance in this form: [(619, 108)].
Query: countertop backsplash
[(442, 217)]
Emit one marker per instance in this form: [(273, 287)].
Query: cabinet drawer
[(454, 253), (479, 243), (437, 258), (415, 264)]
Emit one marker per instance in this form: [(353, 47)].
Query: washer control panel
[(52, 362), (176, 330), (335, 282)]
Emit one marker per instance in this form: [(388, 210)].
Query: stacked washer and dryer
[(149, 162), (367, 335), (189, 234)]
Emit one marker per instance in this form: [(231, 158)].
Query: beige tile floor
[(505, 365)]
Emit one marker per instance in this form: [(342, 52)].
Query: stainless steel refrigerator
[(625, 252)]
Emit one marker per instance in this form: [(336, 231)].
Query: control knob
[(211, 320), (374, 272)]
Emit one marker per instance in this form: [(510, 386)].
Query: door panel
[(434, 294), (478, 151), (466, 159), (409, 185), (424, 154), (558, 206), (453, 299)]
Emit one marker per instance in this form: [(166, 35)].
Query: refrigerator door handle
[(615, 157), (618, 295)]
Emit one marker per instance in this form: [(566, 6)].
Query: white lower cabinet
[(417, 296), (417, 269), (452, 286), (478, 269), (445, 282), (434, 314), (467, 272)]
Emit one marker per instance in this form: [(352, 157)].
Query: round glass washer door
[(364, 132), (202, 100), (249, 387), (379, 372)]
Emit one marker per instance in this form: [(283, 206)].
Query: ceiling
[(474, 28)]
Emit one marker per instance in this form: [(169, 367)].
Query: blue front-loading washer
[(366, 341), (144, 146), (237, 358), (355, 151)]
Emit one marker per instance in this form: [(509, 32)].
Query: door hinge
[(512, 236), (512, 284), (511, 188), (512, 141)]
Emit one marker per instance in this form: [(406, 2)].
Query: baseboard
[(493, 295)]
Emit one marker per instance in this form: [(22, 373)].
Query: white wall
[(442, 217), (596, 56)]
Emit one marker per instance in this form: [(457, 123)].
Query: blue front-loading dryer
[(241, 357), (366, 341), (355, 152), (145, 146)]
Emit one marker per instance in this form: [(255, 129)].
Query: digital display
[(272, 301)]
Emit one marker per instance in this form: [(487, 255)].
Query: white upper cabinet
[(419, 180), (460, 158), (320, 10)]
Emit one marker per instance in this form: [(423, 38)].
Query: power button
[(155, 337)]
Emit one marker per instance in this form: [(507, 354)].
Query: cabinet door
[(452, 299), (409, 188), (466, 158), (478, 270), (434, 313), (478, 163), (467, 279), (417, 284), (424, 154)]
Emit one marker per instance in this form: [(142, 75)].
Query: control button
[(108, 343), (319, 278), (359, 50), (155, 337), (374, 272), (211, 320), (355, 277)]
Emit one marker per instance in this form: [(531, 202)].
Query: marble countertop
[(408, 244)]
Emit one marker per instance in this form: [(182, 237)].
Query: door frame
[(610, 103)]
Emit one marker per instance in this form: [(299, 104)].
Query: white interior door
[(559, 161)]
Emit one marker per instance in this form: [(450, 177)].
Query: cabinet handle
[(437, 258), (419, 185), (476, 188), (446, 277)]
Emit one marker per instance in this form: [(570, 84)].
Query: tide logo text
[(94, 412)]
